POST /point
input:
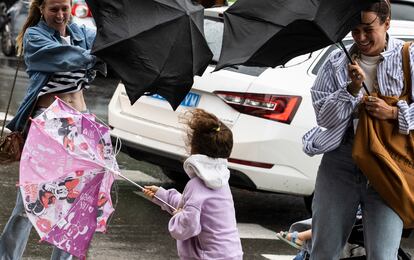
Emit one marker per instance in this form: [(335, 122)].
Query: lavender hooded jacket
[(205, 228)]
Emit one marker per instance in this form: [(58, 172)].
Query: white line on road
[(9, 117), (138, 176), (278, 257), (255, 231)]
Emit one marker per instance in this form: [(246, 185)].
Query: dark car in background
[(13, 22), (8, 3)]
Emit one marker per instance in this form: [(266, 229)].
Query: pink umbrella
[(65, 177)]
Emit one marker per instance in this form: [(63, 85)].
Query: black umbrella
[(155, 46), (271, 32)]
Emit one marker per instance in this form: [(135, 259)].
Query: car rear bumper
[(279, 179)]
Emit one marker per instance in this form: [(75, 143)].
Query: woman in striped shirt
[(336, 94)]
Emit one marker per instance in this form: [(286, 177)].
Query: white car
[(268, 111)]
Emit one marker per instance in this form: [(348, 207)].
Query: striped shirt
[(66, 82), (334, 105)]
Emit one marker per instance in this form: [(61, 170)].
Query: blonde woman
[(59, 63)]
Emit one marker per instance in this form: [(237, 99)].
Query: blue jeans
[(340, 188), (16, 233), (17, 230)]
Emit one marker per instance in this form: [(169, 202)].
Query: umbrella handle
[(142, 188), (350, 60)]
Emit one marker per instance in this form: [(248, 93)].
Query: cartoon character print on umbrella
[(69, 131), (75, 228), (102, 200), (48, 194), (74, 231), (61, 158), (104, 149)]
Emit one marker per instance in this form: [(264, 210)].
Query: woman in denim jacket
[(53, 48)]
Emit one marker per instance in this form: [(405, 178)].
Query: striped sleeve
[(332, 102), (406, 111)]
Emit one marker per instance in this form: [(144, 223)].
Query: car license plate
[(191, 100)]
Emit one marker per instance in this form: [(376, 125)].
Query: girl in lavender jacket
[(204, 223)]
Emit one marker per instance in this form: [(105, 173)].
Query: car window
[(213, 31), (325, 55), (402, 11)]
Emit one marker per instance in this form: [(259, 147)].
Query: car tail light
[(81, 10), (281, 108)]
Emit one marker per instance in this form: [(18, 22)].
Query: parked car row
[(267, 109)]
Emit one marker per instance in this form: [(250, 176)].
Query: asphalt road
[(138, 229)]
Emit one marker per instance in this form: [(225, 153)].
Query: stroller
[(354, 250)]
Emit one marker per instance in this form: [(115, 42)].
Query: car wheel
[(308, 203), (177, 176), (7, 45)]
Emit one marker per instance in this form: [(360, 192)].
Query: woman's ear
[(387, 23)]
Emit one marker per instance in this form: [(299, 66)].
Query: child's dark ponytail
[(208, 135)]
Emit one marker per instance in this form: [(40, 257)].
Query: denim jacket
[(45, 54)]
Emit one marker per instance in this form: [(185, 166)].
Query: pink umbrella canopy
[(66, 174)]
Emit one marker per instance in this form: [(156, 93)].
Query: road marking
[(255, 231), (9, 117), (138, 176), (278, 257)]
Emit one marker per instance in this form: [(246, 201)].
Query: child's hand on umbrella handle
[(150, 190)]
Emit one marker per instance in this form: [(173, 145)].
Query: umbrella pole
[(142, 188), (350, 60)]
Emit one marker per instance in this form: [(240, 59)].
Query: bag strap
[(406, 69), (11, 94)]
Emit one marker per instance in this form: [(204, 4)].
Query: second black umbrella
[(271, 32)]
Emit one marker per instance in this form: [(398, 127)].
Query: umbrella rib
[(255, 19), (74, 155), (170, 6)]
